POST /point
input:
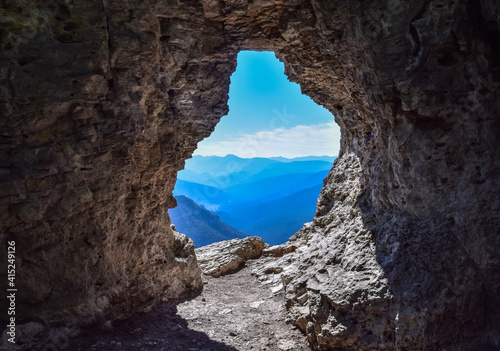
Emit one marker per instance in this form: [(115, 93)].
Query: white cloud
[(302, 140)]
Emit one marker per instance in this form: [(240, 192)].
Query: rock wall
[(402, 249), (99, 112), (102, 101)]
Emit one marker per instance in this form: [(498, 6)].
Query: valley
[(268, 197)]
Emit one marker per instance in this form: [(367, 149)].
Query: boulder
[(228, 256)]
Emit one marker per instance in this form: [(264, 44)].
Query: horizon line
[(288, 158)]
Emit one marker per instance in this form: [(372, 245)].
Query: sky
[(268, 115)]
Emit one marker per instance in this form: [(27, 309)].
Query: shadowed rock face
[(102, 101)]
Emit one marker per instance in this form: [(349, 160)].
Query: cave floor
[(233, 312)]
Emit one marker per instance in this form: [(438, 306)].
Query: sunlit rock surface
[(102, 101), (228, 256)]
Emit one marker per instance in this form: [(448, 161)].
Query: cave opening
[(261, 171)]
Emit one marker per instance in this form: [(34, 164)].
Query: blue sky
[(268, 116)]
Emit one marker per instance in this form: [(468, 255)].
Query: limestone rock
[(278, 250), (227, 256), (335, 286)]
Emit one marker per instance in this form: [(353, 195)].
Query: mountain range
[(202, 226), (268, 197)]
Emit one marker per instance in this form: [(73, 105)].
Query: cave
[(103, 101)]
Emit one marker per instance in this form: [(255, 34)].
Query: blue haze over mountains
[(221, 198)]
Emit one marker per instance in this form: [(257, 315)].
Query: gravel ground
[(233, 312)]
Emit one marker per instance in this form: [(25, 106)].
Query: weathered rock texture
[(102, 101), (228, 256)]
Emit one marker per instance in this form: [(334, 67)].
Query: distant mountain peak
[(274, 158)]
